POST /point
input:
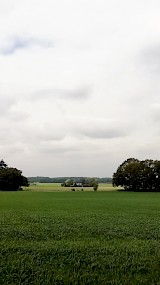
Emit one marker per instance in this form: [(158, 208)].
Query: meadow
[(79, 238), (47, 187)]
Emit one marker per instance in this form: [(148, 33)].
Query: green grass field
[(47, 187), (79, 238)]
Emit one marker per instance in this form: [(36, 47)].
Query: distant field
[(57, 187), (79, 238)]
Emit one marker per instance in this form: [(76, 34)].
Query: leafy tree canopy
[(2, 164), (136, 175), (84, 182), (11, 179)]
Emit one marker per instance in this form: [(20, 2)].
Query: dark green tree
[(68, 183), (2, 164), (135, 175), (89, 182), (11, 179), (126, 174)]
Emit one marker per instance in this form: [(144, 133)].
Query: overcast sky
[(79, 85)]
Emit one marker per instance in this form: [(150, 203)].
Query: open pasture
[(51, 187), (79, 238)]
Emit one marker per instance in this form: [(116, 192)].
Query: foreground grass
[(80, 238)]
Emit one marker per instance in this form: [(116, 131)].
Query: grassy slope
[(79, 238)]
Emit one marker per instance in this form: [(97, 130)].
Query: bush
[(95, 186)]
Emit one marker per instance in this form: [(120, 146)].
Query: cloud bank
[(79, 85)]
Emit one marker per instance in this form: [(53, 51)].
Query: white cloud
[(79, 84)]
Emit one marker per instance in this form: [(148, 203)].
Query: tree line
[(132, 175), (43, 179)]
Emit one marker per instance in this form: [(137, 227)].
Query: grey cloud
[(14, 149), (155, 113), (5, 104), (24, 137), (37, 135), (4, 131), (18, 116), (56, 149), (22, 42), (103, 130), (50, 136), (9, 107), (150, 57), (104, 133), (62, 94)]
